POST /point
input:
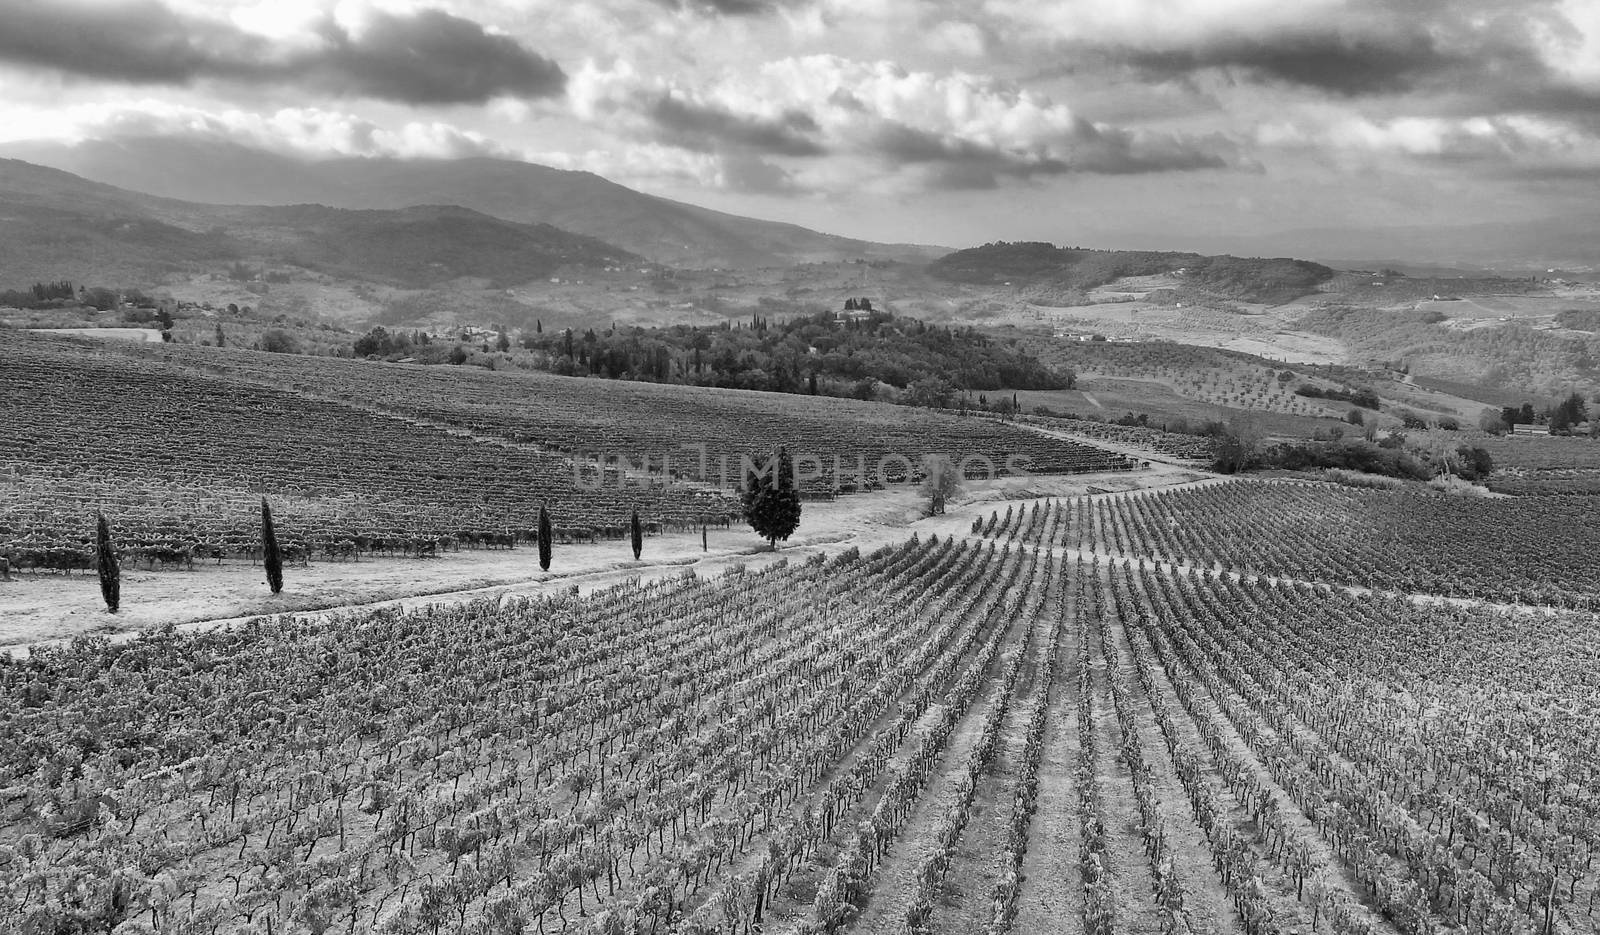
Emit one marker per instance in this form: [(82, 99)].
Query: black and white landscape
[(677, 467)]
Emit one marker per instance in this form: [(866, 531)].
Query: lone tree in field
[(1234, 449), (544, 539), (636, 532), (270, 555), (771, 502), (105, 561), (941, 481)]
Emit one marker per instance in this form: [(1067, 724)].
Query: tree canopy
[(771, 501), (783, 356)]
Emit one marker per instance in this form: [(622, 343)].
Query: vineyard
[(1171, 444), (181, 460), (1139, 713), (1221, 378), (1553, 483), (1543, 466), (1402, 541), (941, 736), (645, 420), (180, 444)]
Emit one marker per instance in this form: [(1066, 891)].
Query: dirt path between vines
[(1206, 898), (1050, 900), (45, 608), (1127, 868), (966, 898), (895, 880), (48, 607)]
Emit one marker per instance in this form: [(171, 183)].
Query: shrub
[(279, 341), (1361, 479), (1458, 487)]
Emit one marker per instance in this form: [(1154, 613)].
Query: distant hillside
[(665, 231), (1030, 264), (415, 247), (1511, 246), (54, 225), (1515, 357)]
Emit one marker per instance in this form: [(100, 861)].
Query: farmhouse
[(855, 310)]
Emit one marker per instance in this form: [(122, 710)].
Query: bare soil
[(1050, 899)]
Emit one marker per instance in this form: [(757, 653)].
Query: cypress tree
[(270, 556), (772, 504), (544, 539), (637, 534), (106, 564)]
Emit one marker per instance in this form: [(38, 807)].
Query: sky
[(1129, 123)]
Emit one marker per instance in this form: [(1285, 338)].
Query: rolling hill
[(1021, 264), (56, 225), (1511, 246), (660, 229)]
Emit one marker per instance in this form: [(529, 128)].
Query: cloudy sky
[(1103, 122)]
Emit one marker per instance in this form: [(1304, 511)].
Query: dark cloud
[(138, 41), (706, 128), (1339, 64), (429, 57), (1482, 51), (953, 163)]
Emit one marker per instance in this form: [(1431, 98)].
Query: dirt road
[(49, 607)]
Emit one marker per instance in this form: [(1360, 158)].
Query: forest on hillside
[(1510, 356), (815, 353), (819, 354), (1075, 268)]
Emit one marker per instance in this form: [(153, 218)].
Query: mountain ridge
[(54, 224), (665, 231)]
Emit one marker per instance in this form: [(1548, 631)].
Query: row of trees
[(771, 502), (110, 573), (1425, 456), (62, 293), (1562, 417), (1364, 397)]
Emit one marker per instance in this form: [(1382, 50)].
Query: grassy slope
[(1169, 380), (1072, 268)]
